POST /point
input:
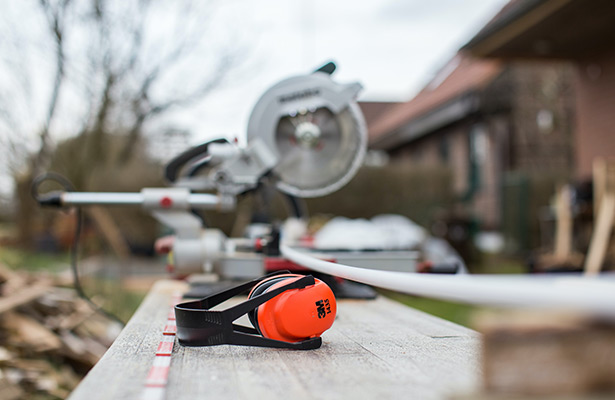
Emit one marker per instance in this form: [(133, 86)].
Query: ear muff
[(260, 289), (290, 311), (296, 314)]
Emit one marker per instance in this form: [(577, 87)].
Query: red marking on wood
[(169, 330), (165, 349), (156, 381), (175, 301), (157, 376), (156, 385)]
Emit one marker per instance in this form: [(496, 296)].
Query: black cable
[(74, 250), (297, 206), (74, 256)]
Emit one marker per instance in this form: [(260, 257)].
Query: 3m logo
[(323, 307)]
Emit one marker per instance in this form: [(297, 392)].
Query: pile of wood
[(49, 337)]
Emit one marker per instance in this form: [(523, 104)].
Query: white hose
[(592, 295)]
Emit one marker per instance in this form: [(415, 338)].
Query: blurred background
[(488, 123)]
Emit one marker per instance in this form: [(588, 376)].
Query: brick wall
[(595, 112), (542, 88), (427, 152), (514, 140)]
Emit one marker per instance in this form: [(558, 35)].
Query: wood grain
[(375, 349)]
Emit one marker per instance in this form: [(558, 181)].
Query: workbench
[(376, 349)]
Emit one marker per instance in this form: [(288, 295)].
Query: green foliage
[(95, 169), (113, 297), (33, 261), (455, 312), (499, 264), (417, 192), (524, 196)]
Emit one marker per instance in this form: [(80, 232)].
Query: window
[(444, 149)]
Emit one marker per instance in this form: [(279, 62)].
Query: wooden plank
[(556, 354), (376, 348), (563, 224), (599, 169), (601, 235), (121, 372), (29, 333), (604, 213)]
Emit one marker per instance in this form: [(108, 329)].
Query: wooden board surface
[(375, 349)]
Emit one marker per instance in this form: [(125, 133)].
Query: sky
[(391, 47)]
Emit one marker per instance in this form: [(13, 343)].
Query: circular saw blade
[(323, 162), (316, 131)]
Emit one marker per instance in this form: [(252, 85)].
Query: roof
[(460, 75), (559, 29), (513, 10), (373, 110)]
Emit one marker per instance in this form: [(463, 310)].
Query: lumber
[(604, 210), (375, 349), (50, 337), (601, 235), (30, 333), (24, 296), (563, 227)]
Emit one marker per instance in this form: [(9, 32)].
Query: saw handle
[(172, 169), (329, 68)]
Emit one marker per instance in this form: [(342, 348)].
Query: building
[(484, 119), (576, 30)]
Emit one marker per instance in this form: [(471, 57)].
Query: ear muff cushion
[(297, 314), (260, 288)]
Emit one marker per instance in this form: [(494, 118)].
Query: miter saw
[(306, 134)]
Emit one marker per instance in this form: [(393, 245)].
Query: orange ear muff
[(296, 314), (287, 310)]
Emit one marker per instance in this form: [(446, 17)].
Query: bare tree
[(56, 15), (133, 81), (118, 64), (96, 69)]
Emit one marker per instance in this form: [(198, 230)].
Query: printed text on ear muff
[(323, 308)]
